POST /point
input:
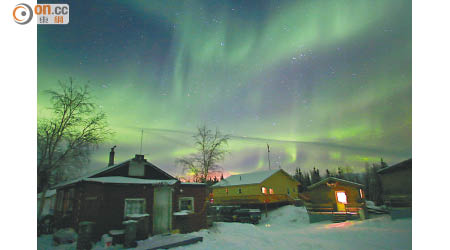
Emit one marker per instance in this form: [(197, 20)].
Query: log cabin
[(335, 199), (396, 181), (131, 188)]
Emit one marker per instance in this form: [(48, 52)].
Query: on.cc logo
[(22, 13)]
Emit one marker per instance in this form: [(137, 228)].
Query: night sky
[(325, 83)]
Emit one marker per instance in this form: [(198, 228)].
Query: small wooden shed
[(263, 187), (50, 200), (132, 188), (335, 199), (396, 181)]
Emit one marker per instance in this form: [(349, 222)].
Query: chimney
[(111, 156), (139, 157)]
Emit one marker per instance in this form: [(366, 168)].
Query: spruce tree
[(307, 180)]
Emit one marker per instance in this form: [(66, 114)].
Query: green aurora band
[(325, 83)]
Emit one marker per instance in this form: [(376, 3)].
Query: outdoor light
[(264, 190)]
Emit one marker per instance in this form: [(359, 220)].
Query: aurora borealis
[(325, 83)]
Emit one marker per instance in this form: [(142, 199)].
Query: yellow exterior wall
[(280, 183), (323, 198), (251, 194)]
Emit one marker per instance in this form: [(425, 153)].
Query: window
[(240, 191), (288, 191), (69, 196), (186, 203), (264, 190), (341, 197), (270, 191), (59, 201), (361, 193), (134, 206)]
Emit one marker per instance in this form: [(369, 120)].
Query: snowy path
[(288, 228)]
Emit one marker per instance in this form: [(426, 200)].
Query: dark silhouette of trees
[(372, 182), (68, 134), (315, 175)]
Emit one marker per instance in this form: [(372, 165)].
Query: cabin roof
[(128, 180), (336, 180), (48, 194), (401, 165), (193, 183), (108, 169), (246, 179)]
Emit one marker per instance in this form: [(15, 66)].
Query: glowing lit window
[(270, 191), (264, 190), (341, 197), (361, 193)]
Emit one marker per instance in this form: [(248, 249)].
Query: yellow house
[(272, 186)]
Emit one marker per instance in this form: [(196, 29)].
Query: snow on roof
[(182, 212), (401, 165), (334, 179), (245, 179), (49, 193), (137, 216), (193, 183), (92, 173), (105, 169), (128, 180)]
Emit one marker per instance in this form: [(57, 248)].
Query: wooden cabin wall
[(104, 204), (112, 210), (252, 194), (91, 196), (65, 217), (196, 221), (398, 182), (249, 194), (280, 183), (324, 197)]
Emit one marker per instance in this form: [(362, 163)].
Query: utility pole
[(142, 135), (268, 155)]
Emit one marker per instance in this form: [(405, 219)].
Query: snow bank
[(288, 228), (285, 216), (45, 242)]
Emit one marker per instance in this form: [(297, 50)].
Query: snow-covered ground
[(288, 228)]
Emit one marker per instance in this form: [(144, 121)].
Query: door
[(162, 210), (341, 200)]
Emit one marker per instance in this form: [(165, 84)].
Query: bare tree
[(73, 128), (210, 147)]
